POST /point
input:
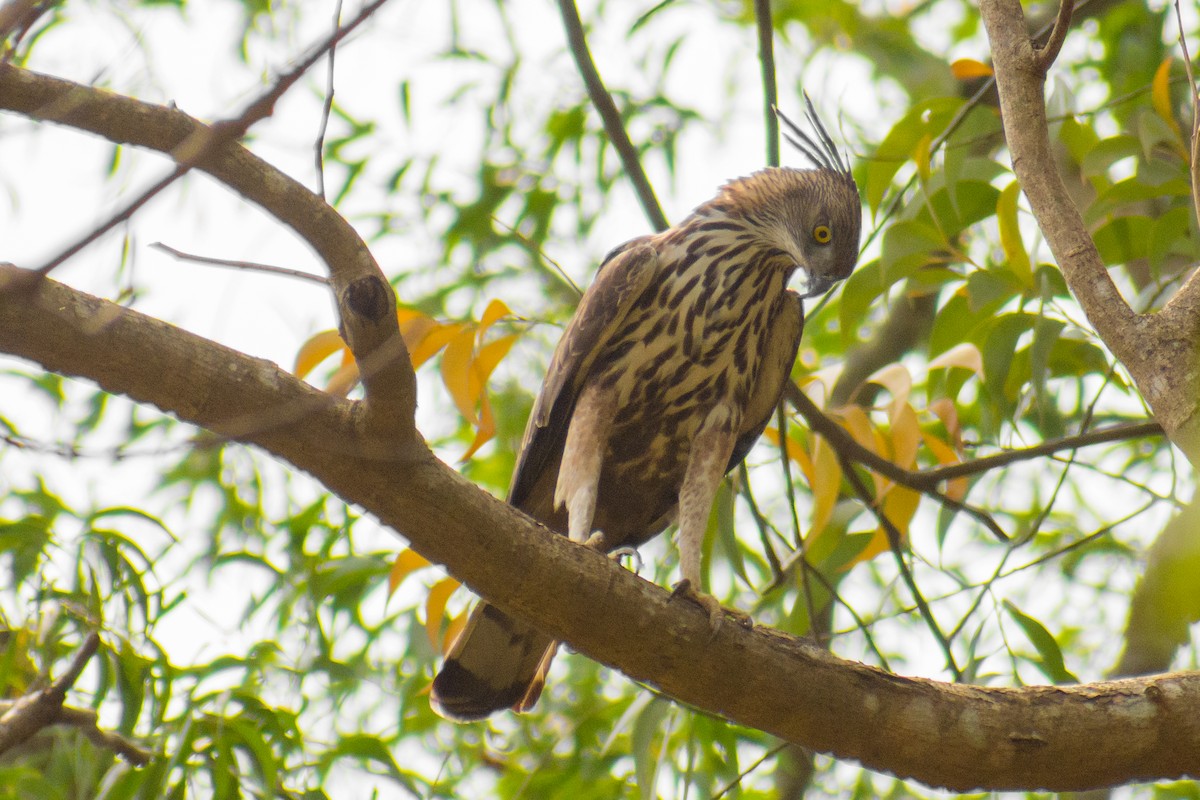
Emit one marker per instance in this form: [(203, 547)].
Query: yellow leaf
[(407, 562), (486, 429), (319, 347), (456, 373), (900, 506), (343, 380), (414, 327), (906, 437), (794, 452), (878, 544), (898, 381), (453, 629), (943, 408), (945, 454), (434, 340), (855, 420), (1160, 95), (967, 68), (435, 607), (965, 355), (1010, 235), (492, 354), (826, 483), (922, 157), (494, 311)]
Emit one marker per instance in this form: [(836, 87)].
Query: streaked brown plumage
[(662, 382)]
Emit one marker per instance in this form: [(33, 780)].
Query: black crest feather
[(820, 151)]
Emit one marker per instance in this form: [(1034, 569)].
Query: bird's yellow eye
[(822, 235)]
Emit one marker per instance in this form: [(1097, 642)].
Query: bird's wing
[(773, 374), (626, 273)]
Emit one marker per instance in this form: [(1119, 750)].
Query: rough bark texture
[(1161, 350), (369, 454)]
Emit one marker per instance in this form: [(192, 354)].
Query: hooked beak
[(817, 285)]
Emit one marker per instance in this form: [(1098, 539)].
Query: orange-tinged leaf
[(967, 68), (826, 483), (433, 341), (945, 454), (486, 429), (343, 380), (855, 420), (319, 347), (1010, 235), (456, 373), (494, 311), (906, 437), (408, 562), (795, 452), (453, 629), (900, 506), (944, 409), (878, 544), (965, 355), (1160, 95), (492, 354), (897, 380), (414, 327), (435, 607), (922, 157)]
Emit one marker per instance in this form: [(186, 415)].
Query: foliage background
[(269, 641)]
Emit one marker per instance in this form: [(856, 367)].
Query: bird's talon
[(716, 613), (631, 552), (595, 541)]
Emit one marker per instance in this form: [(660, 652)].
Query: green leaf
[(1051, 663)]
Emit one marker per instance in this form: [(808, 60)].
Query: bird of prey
[(663, 380)]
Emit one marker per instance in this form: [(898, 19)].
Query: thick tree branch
[(363, 295), (942, 734), (1159, 350)]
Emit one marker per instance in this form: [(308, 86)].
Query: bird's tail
[(496, 662)]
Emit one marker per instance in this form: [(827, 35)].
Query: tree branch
[(942, 734), (1158, 350), (22, 718), (363, 295), (1048, 52), (609, 114)]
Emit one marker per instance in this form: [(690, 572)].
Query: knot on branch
[(369, 297)]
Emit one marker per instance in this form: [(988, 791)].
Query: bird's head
[(813, 217)]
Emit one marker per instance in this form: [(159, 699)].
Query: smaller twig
[(206, 140), (1062, 23), (926, 481), (85, 720), (1112, 433), (65, 681), (761, 522), (1195, 99), (247, 265), (609, 114), (327, 106), (727, 788), (534, 246), (896, 544), (22, 718), (766, 57), (18, 16), (845, 444)]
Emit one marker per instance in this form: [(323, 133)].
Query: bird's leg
[(583, 457), (709, 455)]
